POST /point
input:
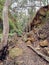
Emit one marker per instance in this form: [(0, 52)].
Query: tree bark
[(5, 25)]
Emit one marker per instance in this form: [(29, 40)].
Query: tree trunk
[(5, 25)]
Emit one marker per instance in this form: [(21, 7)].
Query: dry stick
[(40, 54)]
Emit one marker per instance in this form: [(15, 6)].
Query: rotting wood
[(39, 53)]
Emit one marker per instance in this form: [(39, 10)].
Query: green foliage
[(20, 23), (12, 25), (21, 18), (1, 8), (14, 52), (1, 5), (47, 14), (45, 2)]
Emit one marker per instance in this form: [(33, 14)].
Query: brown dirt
[(28, 57)]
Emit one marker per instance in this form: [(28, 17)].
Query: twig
[(39, 53)]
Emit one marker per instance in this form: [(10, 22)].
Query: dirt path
[(29, 57)]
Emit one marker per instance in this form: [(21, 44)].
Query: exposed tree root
[(3, 53)]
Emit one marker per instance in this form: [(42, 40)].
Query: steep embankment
[(40, 17)]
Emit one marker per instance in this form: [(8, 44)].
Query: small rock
[(31, 39), (43, 43), (28, 43)]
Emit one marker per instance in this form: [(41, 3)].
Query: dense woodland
[(24, 32)]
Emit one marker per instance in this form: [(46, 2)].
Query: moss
[(15, 52)]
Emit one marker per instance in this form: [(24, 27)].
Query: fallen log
[(39, 53)]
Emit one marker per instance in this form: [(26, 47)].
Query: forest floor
[(27, 56)]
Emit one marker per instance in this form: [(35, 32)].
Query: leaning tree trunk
[(5, 25)]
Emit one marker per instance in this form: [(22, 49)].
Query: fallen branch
[(39, 53)]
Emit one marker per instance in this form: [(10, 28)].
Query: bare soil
[(29, 57)]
